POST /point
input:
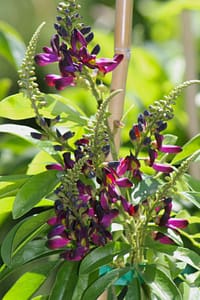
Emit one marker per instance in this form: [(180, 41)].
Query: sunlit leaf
[(5, 84), (188, 149), (37, 187)]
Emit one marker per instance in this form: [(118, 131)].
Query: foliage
[(76, 219)]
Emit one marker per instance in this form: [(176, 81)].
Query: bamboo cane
[(123, 33), (123, 30)]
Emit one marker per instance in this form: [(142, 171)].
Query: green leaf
[(37, 187), (5, 84), (102, 256), (31, 251), (160, 284), (181, 254), (102, 283), (16, 107), (188, 149), (8, 189), (12, 48), (59, 105), (22, 233), (66, 281), (81, 286), (193, 197), (134, 290), (19, 130), (25, 286), (145, 188), (30, 281)]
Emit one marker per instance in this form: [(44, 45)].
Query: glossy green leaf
[(161, 285), (22, 233), (31, 251), (102, 256), (8, 189), (134, 290), (81, 285), (188, 149), (36, 188), (102, 283), (66, 280), (12, 48)]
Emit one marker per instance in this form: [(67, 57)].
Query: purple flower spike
[(162, 168)]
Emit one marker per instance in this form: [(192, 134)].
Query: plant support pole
[(123, 33)]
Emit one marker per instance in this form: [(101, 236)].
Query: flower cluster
[(146, 134), (73, 57)]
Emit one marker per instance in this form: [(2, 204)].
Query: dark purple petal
[(75, 254), (57, 230), (43, 59), (107, 218), (124, 182)]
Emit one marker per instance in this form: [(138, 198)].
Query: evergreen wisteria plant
[(111, 225)]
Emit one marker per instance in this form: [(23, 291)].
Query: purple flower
[(50, 55), (176, 223), (75, 254), (162, 168), (72, 59), (57, 242), (163, 238), (170, 149)]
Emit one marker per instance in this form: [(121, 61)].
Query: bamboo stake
[(123, 33), (123, 30)]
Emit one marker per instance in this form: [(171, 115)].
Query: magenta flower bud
[(57, 167), (170, 149), (163, 238), (162, 168), (177, 223), (57, 242)]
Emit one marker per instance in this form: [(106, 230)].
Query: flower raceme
[(73, 59)]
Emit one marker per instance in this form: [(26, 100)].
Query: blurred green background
[(166, 44)]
